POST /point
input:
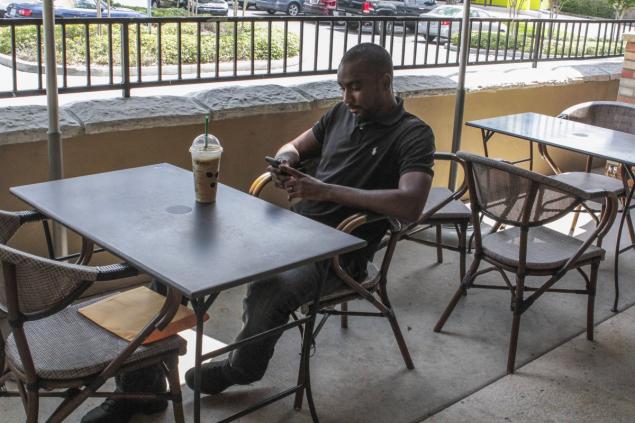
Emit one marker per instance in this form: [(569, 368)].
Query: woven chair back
[(9, 224), (42, 285), (606, 114), (503, 190)]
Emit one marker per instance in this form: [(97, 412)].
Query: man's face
[(363, 90)]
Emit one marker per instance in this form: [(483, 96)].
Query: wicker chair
[(52, 347), (524, 202), (372, 289), (606, 114), (449, 211)]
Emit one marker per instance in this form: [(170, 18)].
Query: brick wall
[(626, 91)]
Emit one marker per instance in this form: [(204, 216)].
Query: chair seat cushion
[(546, 248), (590, 181), (453, 210), (344, 293), (67, 345)]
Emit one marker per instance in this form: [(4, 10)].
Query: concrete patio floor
[(358, 374)]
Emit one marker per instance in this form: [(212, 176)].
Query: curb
[(101, 70)]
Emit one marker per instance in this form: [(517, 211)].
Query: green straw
[(206, 123)]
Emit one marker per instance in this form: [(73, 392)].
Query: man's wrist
[(329, 193), (290, 157)]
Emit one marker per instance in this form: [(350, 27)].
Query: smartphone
[(273, 162)]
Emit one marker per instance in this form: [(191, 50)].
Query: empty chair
[(52, 347), (613, 115), (524, 202), (444, 208)]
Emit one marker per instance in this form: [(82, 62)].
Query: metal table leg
[(200, 306), (625, 213)]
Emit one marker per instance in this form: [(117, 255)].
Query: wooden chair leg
[(439, 246), (518, 310), (462, 250), (448, 310), (400, 340), (344, 317), (175, 388), (591, 301), (462, 291), (574, 222), (513, 342), (33, 406)]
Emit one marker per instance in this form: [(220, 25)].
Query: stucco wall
[(248, 139)]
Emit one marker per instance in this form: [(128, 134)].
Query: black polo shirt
[(368, 155)]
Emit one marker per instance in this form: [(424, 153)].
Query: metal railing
[(101, 54)]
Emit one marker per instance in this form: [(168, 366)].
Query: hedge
[(596, 8), (26, 43), (551, 47)]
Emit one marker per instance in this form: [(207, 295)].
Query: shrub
[(160, 12), (557, 46), (596, 8), (26, 43)]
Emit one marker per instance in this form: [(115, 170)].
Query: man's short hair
[(373, 56)]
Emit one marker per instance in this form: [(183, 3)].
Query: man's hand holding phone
[(279, 176)]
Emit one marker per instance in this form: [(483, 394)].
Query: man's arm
[(303, 147), (405, 202)]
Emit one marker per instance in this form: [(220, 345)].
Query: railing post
[(125, 60), (382, 35), (537, 44)]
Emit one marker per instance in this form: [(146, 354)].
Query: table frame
[(203, 300)]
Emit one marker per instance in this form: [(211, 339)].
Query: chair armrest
[(115, 271), (259, 183), (30, 216), (356, 221), (456, 194)]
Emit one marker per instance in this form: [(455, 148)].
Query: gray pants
[(268, 303)]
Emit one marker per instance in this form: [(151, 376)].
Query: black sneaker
[(122, 410), (215, 377)]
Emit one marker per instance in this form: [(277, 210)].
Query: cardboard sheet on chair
[(127, 313)]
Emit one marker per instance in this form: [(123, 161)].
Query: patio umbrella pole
[(464, 49), (54, 136)]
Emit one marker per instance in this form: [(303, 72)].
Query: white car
[(431, 31), (212, 7)]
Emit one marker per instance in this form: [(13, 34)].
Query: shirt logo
[(372, 153)]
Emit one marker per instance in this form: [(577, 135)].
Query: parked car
[(69, 9), (290, 7), (454, 12), (212, 7), (3, 6), (250, 3), (384, 8), (319, 7)]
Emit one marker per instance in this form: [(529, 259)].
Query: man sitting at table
[(373, 156)]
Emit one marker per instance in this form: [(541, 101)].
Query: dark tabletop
[(562, 133), (148, 217)]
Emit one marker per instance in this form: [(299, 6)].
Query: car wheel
[(429, 38), (271, 11), (352, 26), (293, 9), (379, 26), (156, 3)]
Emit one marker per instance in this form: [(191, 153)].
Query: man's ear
[(386, 82)]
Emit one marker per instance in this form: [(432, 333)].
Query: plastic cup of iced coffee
[(206, 167)]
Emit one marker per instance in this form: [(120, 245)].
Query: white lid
[(213, 144)]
